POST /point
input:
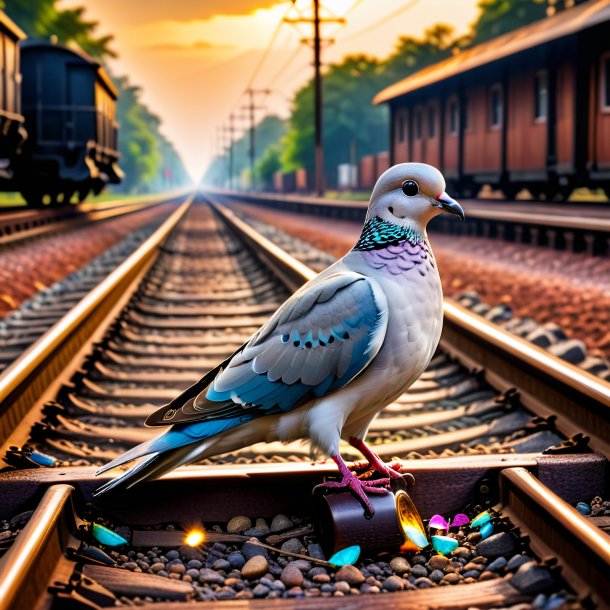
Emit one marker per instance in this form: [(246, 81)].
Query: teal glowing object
[(106, 536), (444, 544), (42, 459), (486, 530), (347, 556), (415, 536), (481, 519)]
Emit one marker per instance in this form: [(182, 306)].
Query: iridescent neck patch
[(378, 234)]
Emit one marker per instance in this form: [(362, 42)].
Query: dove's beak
[(450, 205)]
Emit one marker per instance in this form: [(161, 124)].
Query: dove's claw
[(392, 470), (360, 488)]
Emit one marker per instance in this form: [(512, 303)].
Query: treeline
[(352, 127), (148, 158)]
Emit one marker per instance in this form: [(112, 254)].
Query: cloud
[(198, 45), (139, 11)]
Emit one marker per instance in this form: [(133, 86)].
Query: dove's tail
[(177, 446)]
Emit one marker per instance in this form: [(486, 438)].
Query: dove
[(334, 354)]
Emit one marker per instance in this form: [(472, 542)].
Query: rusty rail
[(25, 380), (547, 384)]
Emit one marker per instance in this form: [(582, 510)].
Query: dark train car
[(12, 132), (528, 109), (69, 104)]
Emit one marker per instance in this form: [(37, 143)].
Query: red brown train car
[(530, 109)]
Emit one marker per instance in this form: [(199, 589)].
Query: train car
[(12, 131), (529, 109), (69, 105)]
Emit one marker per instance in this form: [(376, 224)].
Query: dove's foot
[(391, 470), (357, 486)]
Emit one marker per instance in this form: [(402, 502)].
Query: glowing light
[(194, 538), (410, 523)]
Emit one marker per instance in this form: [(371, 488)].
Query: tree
[(148, 159), (267, 165), (42, 18), (498, 17)]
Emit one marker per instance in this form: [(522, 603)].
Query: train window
[(605, 80), (419, 125), (495, 106), (541, 96), (454, 117), (431, 122)]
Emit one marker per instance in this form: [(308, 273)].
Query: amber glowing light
[(194, 537), (410, 523)]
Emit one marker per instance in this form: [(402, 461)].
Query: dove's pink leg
[(359, 487), (375, 462)]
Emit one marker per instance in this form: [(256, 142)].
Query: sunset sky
[(194, 58)]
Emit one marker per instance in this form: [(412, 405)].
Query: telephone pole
[(252, 108), (317, 64)]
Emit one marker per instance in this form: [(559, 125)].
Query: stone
[(236, 560), (295, 592), (399, 565), (531, 579), (321, 578), (293, 545), (301, 564), (366, 588), (497, 564), (350, 574), (452, 578), (517, 560), (239, 524), (206, 575), (315, 550), (461, 551), (438, 562), (193, 574), (474, 537), (488, 576), (173, 554), (470, 574), (342, 587), (177, 568), (225, 593), (421, 559), (157, 567), (473, 566), (423, 583), (292, 576), (419, 571), (281, 522), (249, 550), (194, 564), (436, 575), (393, 583), (256, 567), (496, 545), (260, 591), (221, 564)]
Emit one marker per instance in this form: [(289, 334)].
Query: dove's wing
[(317, 341)]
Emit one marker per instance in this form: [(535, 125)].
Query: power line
[(376, 24)]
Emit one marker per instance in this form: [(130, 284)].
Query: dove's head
[(410, 195)]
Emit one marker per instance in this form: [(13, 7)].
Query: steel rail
[(547, 384), (556, 529), (24, 381), (25, 224), (27, 565), (497, 214)]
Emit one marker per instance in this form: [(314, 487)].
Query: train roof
[(44, 43), (545, 30), (9, 24)]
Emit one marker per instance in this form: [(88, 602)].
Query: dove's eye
[(410, 188)]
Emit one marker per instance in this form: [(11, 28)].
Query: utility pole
[(252, 108), (317, 64)]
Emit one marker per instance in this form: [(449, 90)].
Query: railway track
[(188, 297), (19, 224), (571, 227)]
